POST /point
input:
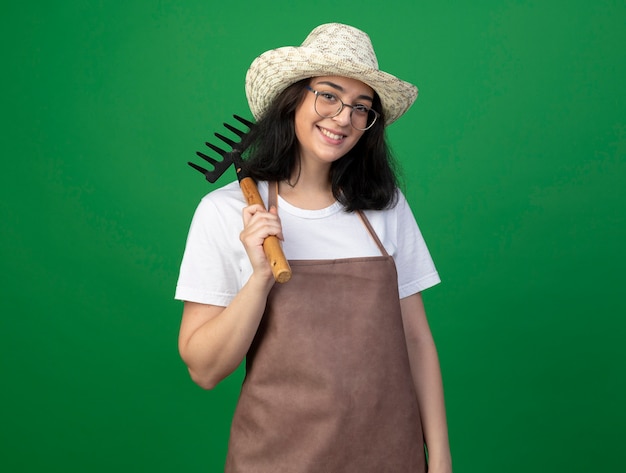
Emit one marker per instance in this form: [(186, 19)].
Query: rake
[(271, 245)]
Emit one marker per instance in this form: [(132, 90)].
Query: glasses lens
[(362, 118), (327, 105)]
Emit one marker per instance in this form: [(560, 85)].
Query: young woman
[(342, 373)]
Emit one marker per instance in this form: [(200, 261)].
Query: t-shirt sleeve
[(213, 261), (416, 269)]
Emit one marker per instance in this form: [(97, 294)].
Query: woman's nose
[(343, 118)]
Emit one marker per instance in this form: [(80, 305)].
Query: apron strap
[(272, 194), (370, 229), (272, 200)]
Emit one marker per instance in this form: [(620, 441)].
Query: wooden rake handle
[(271, 245)]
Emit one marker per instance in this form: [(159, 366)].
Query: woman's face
[(325, 140)]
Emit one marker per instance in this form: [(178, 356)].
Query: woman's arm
[(428, 383), (214, 340)]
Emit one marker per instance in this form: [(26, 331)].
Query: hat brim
[(275, 70)]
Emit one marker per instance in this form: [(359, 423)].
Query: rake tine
[(218, 169), (216, 148), (207, 158), (248, 123), (228, 141), (236, 131), (198, 168)]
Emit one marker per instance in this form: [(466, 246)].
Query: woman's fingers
[(258, 225), (260, 222)]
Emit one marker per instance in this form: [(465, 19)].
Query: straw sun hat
[(330, 50)]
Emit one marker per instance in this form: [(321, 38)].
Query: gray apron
[(328, 387)]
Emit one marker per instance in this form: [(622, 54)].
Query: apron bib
[(328, 388)]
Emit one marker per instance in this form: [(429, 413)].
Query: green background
[(514, 163)]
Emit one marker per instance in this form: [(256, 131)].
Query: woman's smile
[(334, 136)]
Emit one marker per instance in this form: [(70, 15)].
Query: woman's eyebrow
[(341, 89)]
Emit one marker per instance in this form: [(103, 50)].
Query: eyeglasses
[(328, 105)]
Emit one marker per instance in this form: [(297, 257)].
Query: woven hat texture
[(331, 49)]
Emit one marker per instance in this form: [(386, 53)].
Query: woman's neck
[(308, 189)]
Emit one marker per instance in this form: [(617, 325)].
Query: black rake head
[(227, 157)]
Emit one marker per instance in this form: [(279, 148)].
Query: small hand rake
[(271, 245)]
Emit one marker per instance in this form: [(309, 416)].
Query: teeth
[(332, 136)]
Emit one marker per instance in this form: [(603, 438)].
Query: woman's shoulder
[(222, 199), (228, 192), (394, 219), (231, 194), (220, 205), (399, 206)]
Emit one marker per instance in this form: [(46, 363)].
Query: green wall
[(514, 162)]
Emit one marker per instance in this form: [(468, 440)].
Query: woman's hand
[(258, 225)]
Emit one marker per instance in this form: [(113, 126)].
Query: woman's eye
[(328, 96), (361, 108)]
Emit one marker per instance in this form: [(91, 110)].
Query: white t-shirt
[(215, 265)]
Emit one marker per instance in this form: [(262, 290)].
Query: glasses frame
[(343, 104)]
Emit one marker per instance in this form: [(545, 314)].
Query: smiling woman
[(342, 373)]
